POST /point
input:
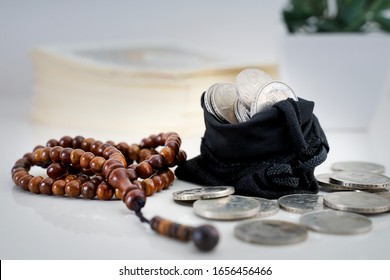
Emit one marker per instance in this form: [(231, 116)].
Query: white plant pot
[(344, 74)]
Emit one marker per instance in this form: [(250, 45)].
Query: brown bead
[(133, 152), (45, 186), (37, 156), (72, 188), (184, 233), (56, 170), (29, 157), (75, 156), (45, 156), (167, 154), (156, 161), (118, 194), (17, 169), (135, 199), (97, 180), (88, 189), (52, 143), (144, 170), (86, 144), (174, 146), (23, 182), (145, 154), (112, 143), (55, 153), (159, 139), (33, 185), (65, 155), (96, 164), (123, 147), (147, 143), (104, 191), (120, 158), (119, 179), (148, 187), (205, 237), (166, 178), (18, 175), (58, 187), (132, 174), (101, 149), (77, 141), (66, 141), (109, 166), (95, 146), (110, 151), (85, 159), (158, 182), (38, 147), (182, 156), (70, 177), (163, 227), (137, 184), (82, 178)]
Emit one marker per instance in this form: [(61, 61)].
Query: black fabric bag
[(271, 155)]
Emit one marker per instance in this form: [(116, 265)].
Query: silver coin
[(360, 180), (223, 99), (358, 202), (248, 82), (301, 203), (203, 193), (227, 208), (270, 232), (267, 207), (241, 113), (336, 222), (358, 166), (207, 100), (269, 94), (325, 185)]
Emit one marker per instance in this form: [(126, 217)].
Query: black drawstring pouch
[(271, 155)]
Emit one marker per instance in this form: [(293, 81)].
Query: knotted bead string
[(89, 168)]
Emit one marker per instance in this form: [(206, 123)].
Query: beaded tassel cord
[(90, 168)]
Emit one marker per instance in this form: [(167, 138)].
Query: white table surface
[(45, 227)]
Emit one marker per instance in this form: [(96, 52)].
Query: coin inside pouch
[(271, 155)]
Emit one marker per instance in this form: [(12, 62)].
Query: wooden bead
[(119, 179), (29, 157), (145, 154), (181, 157), (52, 143), (144, 170), (55, 153), (168, 155), (56, 170), (70, 177), (17, 169), (135, 199), (23, 182), (119, 157), (45, 186), (133, 152), (104, 191), (65, 155), (18, 175), (166, 177), (118, 194), (132, 174), (123, 147), (88, 189), (72, 188), (38, 147), (86, 144), (45, 156), (33, 185), (147, 143), (137, 184), (75, 156), (95, 146), (58, 187), (66, 141), (205, 237), (175, 146), (158, 182), (96, 164), (37, 156), (148, 187), (156, 161), (110, 151), (101, 149), (82, 178), (109, 166), (184, 233), (77, 141), (85, 159)]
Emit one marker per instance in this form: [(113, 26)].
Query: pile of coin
[(254, 91), (356, 176)]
